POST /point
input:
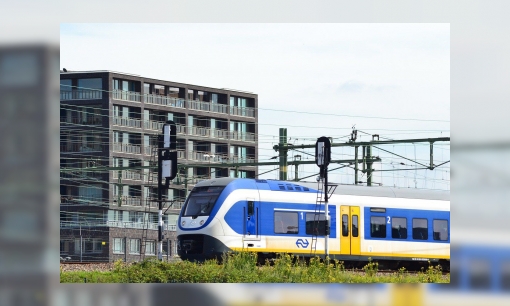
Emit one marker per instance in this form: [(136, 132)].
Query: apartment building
[(109, 122)]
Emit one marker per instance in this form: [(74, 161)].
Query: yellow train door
[(349, 230)]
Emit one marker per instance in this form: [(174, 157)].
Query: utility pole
[(356, 165), (283, 154), (369, 165), (167, 168)]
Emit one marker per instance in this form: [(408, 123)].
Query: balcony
[(90, 120), (127, 148), (128, 175), (158, 126), (127, 122), (73, 148), (128, 200), (242, 111), (220, 134), (206, 157), (81, 95), (164, 100), (127, 95), (241, 136), (81, 175), (114, 223)]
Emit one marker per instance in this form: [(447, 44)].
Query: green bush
[(242, 268)]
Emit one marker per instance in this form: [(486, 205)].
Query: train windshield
[(201, 201)]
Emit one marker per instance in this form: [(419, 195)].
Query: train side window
[(286, 222), (399, 228), (505, 276), (420, 229), (440, 229), (378, 227), (315, 224), (345, 225), (354, 226)]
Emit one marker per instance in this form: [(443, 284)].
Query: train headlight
[(202, 222), (183, 223)]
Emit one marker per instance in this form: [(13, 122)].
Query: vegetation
[(242, 268)]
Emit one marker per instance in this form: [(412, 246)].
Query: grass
[(242, 268)]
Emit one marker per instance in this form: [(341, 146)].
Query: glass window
[(118, 245), (345, 225), (378, 227), (440, 229), (150, 247), (65, 85), (354, 226), (84, 84), (77, 246), (285, 222), (315, 224), (146, 88), (214, 98), (399, 228), (420, 229), (134, 246), (201, 201)]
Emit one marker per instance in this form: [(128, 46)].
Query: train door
[(349, 230), (251, 219)]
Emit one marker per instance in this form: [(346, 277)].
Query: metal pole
[(364, 159), (283, 154), (81, 241), (326, 251), (120, 189), (160, 202), (296, 172), (369, 166), (431, 156), (356, 165)]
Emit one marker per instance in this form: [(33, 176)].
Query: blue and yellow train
[(395, 226)]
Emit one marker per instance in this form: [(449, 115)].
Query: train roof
[(357, 190)]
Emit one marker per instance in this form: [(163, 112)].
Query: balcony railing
[(242, 111), (129, 122), (128, 175), (90, 120), (82, 148), (79, 175), (241, 136), (207, 157), (81, 95), (114, 223), (164, 100), (128, 200), (127, 95), (126, 148)]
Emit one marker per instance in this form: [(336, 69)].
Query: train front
[(198, 225)]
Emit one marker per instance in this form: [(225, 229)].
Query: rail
[(128, 122), (81, 95), (126, 95)]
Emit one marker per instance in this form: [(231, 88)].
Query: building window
[(285, 222), (150, 247), (378, 227), (77, 246), (118, 245), (315, 226), (399, 228), (440, 229), (420, 229), (134, 246)]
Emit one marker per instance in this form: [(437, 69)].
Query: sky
[(313, 79)]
